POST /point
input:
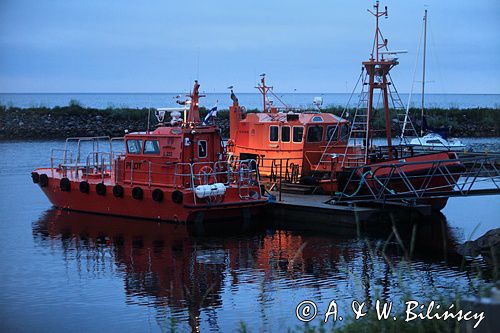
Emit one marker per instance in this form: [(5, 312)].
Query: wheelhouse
[(297, 139)]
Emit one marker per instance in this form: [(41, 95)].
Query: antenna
[(423, 73), (198, 63), (377, 44), (149, 116), (264, 90)]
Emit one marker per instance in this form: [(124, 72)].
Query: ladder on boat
[(358, 132)]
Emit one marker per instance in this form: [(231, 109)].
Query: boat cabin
[(293, 139)]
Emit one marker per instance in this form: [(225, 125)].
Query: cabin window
[(434, 141), (273, 133), (298, 133), (134, 146), (331, 133), (314, 133), (202, 148), (151, 147), (317, 119), (344, 132), (285, 134)]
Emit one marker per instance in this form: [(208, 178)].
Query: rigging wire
[(341, 116), (412, 85)]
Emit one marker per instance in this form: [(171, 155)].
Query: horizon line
[(225, 92)]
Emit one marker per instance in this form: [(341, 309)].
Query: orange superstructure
[(286, 141)]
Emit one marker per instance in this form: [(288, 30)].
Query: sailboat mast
[(423, 73)]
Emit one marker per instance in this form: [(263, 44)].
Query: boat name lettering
[(137, 165)]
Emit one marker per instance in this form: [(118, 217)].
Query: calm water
[(250, 100), (83, 272)]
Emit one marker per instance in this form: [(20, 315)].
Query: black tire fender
[(157, 195), (84, 187), (100, 189), (118, 191), (177, 196), (44, 180), (65, 184), (35, 177), (137, 193)]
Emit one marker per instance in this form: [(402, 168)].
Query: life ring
[(84, 187), (157, 195), (206, 175), (118, 191), (44, 180), (65, 184), (35, 177), (137, 193), (177, 196), (100, 189)]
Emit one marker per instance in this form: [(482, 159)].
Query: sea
[(249, 100), (75, 272)]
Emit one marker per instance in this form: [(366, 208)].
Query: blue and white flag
[(211, 114)]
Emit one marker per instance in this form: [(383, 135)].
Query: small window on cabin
[(317, 119), (331, 133), (434, 141), (314, 133), (273, 133), (134, 146), (202, 149), (298, 133), (151, 147), (285, 134)]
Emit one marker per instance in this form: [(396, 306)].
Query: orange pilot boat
[(324, 152), (176, 173)]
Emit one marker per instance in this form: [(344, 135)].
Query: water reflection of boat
[(172, 266)]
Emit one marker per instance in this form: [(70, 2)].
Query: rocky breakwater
[(75, 120), (71, 121)]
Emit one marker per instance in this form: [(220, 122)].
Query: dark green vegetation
[(476, 122), (77, 120)]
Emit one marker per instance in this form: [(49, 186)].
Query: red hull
[(147, 208)]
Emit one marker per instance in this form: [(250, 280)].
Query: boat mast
[(263, 90), (194, 113), (377, 69), (423, 74)]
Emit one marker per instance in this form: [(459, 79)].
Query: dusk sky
[(310, 46)]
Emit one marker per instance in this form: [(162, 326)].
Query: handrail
[(378, 179)]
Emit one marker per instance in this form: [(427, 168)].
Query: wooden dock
[(311, 212)]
